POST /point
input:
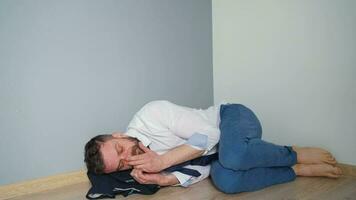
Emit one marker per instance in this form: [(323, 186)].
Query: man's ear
[(118, 135)]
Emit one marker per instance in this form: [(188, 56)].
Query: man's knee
[(233, 160), (227, 181), (237, 117)]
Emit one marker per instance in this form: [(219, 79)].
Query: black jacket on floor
[(117, 183), (122, 183)]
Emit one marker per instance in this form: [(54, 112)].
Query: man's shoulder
[(157, 104)]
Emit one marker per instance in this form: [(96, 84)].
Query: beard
[(136, 150)]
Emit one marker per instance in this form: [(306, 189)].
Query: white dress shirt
[(163, 125)]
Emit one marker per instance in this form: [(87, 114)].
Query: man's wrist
[(165, 162), (167, 180)]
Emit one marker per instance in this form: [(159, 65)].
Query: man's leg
[(241, 147), (235, 181)]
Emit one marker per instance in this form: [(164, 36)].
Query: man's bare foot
[(325, 170), (313, 155)]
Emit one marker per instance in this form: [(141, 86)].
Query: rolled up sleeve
[(193, 127)]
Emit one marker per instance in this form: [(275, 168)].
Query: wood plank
[(302, 188), (42, 184), (61, 180)]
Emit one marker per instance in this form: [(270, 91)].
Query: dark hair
[(92, 155)]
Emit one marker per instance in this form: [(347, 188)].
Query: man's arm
[(172, 178), (150, 161), (180, 154), (154, 178)]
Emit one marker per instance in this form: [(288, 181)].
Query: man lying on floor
[(163, 134)]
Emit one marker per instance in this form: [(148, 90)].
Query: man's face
[(116, 151)]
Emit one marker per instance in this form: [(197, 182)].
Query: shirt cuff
[(199, 141), (184, 179)]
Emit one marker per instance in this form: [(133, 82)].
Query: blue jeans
[(246, 162)]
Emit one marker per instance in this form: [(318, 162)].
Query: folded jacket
[(122, 183), (117, 183)]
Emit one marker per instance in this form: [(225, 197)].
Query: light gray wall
[(72, 69), (294, 63)]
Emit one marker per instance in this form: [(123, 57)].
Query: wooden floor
[(301, 188)]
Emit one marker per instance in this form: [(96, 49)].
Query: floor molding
[(57, 181), (348, 170), (42, 184)]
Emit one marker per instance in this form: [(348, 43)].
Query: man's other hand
[(153, 178)]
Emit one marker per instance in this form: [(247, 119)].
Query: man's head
[(109, 153)]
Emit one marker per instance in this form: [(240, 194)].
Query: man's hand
[(149, 161), (154, 178)]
